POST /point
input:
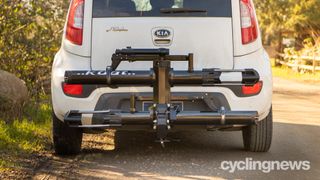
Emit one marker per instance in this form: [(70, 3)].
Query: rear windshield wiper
[(182, 10)]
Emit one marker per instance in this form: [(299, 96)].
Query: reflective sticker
[(231, 77), (86, 119)]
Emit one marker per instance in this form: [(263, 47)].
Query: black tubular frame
[(161, 77)]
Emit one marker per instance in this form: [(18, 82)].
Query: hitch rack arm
[(133, 55), (206, 77)]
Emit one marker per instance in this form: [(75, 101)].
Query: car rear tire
[(258, 137), (66, 140)]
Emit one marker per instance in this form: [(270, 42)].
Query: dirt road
[(199, 155)]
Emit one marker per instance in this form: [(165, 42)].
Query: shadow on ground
[(197, 156)]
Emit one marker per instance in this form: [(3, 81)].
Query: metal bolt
[(169, 127), (162, 143), (168, 121), (154, 127)]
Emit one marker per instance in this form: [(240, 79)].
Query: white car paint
[(210, 39)]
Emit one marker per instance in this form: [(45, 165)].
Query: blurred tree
[(300, 18), (30, 32), (305, 20)]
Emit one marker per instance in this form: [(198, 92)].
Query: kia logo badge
[(162, 33)]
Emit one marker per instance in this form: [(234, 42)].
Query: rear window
[(152, 8)]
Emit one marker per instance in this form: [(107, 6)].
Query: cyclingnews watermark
[(248, 164)]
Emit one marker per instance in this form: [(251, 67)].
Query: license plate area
[(147, 104)]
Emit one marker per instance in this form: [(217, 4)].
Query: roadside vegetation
[(291, 20), (21, 139), (30, 34), (287, 73)]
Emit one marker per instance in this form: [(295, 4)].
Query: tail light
[(74, 30), (252, 90), (249, 30), (72, 89)]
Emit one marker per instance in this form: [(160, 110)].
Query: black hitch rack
[(163, 115)]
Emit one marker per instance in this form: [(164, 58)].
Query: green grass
[(287, 73), (24, 137)]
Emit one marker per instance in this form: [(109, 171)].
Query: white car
[(161, 66)]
